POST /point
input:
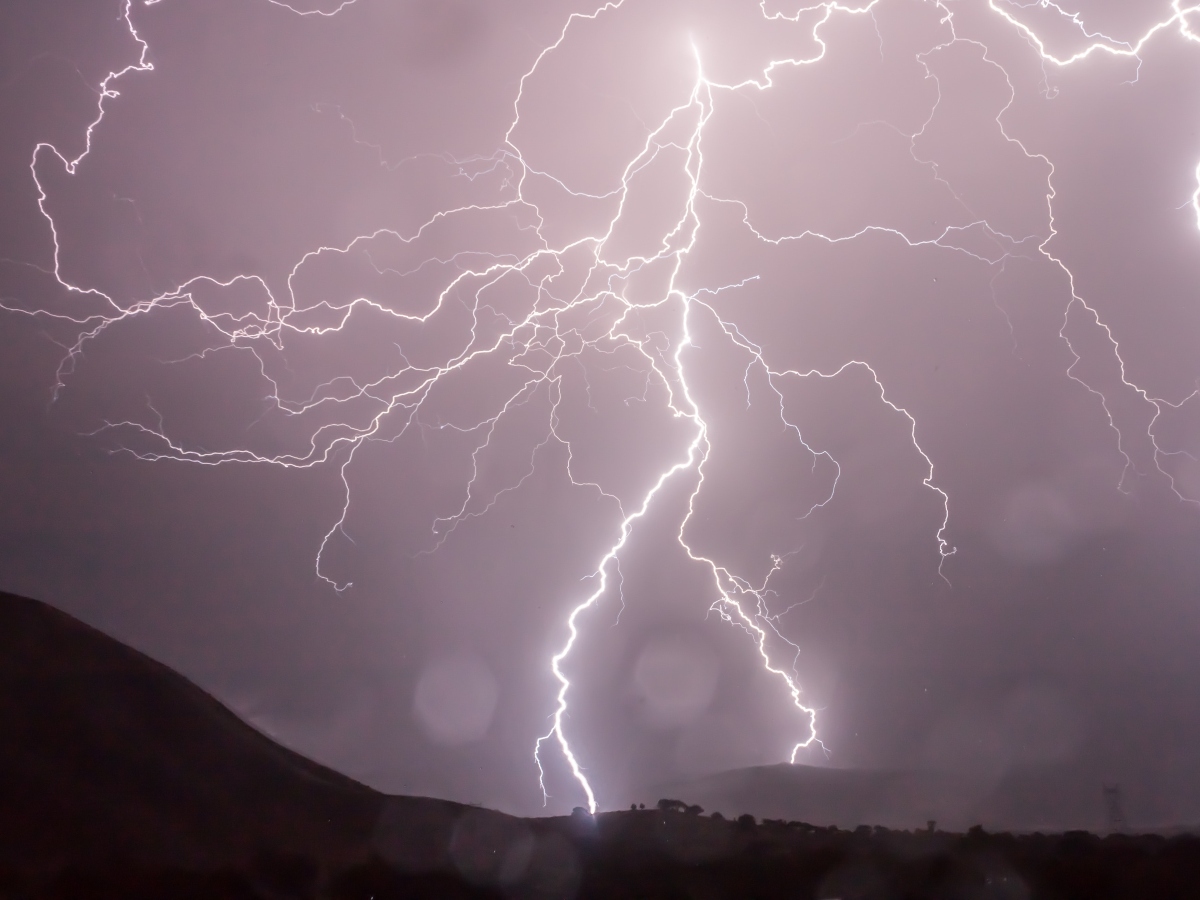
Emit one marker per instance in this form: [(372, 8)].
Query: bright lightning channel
[(737, 600)]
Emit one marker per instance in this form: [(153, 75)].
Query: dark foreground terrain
[(657, 854), (120, 779)]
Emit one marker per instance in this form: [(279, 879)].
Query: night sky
[(342, 352)]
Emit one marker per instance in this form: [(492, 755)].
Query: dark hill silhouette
[(823, 796), (106, 753), (1047, 797), (1023, 798)]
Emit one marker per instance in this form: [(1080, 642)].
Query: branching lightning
[(556, 329)]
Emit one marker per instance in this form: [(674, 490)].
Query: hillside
[(1025, 798), (106, 753)]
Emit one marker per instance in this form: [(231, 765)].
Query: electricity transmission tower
[(1114, 814)]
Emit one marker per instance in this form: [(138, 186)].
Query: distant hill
[(1028, 798), (106, 753)]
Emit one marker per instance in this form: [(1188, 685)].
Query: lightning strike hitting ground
[(556, 330)]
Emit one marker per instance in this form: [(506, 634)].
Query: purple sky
[(353, 343)]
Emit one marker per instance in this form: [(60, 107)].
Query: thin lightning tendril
[(554, 334)]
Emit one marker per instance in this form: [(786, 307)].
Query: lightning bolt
[(600, 315)]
